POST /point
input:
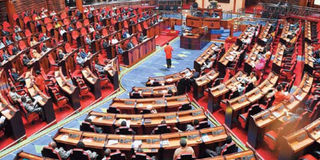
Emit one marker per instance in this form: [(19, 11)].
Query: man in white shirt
[(114, 40), (2, 120), (183, 149)]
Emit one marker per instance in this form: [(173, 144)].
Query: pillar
[(303, 2), (79, 5), (11, 11)]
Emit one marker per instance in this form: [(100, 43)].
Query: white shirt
[(114, 41)]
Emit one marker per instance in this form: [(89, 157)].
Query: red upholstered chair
[(27, 33), (79, 25), (78, 154), (63, 15), (67, 48), (66, 21), (22, 45), (139, 28), (86, 22), (75, 36), (83, 31), (145, 25), (104, 32), (125, 24), (244, 117), (47, 20), (113, 21), (84, 90), (134, 40), (308, 157), (287, 74), (9, 49)]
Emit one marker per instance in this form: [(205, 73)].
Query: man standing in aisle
[(168, 50)]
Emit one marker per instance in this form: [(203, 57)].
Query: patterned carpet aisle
[(155, 65)]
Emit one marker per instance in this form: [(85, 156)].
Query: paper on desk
[(299, 97), (205, 138), (112, 141), (64, 137), (136, 143), (87, 140), (164, 142), (91, 117)]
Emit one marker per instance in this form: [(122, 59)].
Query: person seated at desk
[(120, 50), (97, 129), (114, 40), (17, 37), (35, 53), (2, 45), (33, 41), (91, 29), (131, 22), (219, 150), (98, 26), (119, 18), (5, 56), (183, 149), (25, 60), (105, 44), (189, 127), (15, 50), (130, 45), (280, 95), (252, 78), (63, 153), (209, 62), (61, 54), (97, 35), (125, 34), (70, 28), (39, 81), (5, 33), (8, 41), (57, 25), (141, 37), (92, 155), (17, 28), (107, 153), (44, 37), (124, 129), (15, 97), (80, 60), (88, 39), (31, 106), (16, 77), (149, 110), (2, 121)]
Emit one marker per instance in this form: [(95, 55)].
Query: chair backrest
[(86, 126), (185, 107), (203, 124), (186, 157), (231, 149), (78, 154), (124, 131), (117, 156), (139, 156), (113, 110), (49, 152)]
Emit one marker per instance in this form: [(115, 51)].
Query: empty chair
[(113, 110), (186, 157), (50, 153)]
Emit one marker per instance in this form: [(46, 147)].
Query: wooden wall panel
[(3, 11), (28, 5), (57, 5)]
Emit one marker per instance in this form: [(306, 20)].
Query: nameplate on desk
[(136, 118), (107, 117), (73, 135), (129, 102), (98, 139), (182, 99), (164, 142), (193, 136), (265, 116), (159, 101), (221, 87), (301, 137), (242, 99), (125, 140), (147, 121), (196, 113), (146, 90), (151, 141), (170, 117), (217, 132)]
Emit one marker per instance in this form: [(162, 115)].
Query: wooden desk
[(71, 91), (194, 42), (145, 123), (143, 49), (203, 82), (158, 91), (68, 63), (216, 93), (237, 104), (308, 59), (92, 81), (150, 143), (160, 104), (248, 155), (44, 101), (170, 79), (24, 155), (198, 63)]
